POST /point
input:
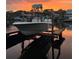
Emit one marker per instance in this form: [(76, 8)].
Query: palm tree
[(60, 18)]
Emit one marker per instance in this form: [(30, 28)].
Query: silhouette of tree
[(9, 17)]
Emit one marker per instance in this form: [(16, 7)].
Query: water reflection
[(66, 48), (67, 34)]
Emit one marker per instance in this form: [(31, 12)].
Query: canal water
[(66, 48)]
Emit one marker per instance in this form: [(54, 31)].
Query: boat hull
[(31, 28)]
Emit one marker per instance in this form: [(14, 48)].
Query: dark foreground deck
[(12, 40)]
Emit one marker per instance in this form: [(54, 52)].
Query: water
[(66, 48)]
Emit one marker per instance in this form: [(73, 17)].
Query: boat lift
[(30, 29)]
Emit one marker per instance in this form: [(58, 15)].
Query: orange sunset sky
[(47, 4)]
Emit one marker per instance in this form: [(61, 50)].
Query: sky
[(47, 4)]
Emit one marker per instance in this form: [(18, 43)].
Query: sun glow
[(51, 4)]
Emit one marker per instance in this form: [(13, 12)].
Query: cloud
[(13, 1), (66, 2)]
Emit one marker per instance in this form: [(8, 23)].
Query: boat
[(29, 28)]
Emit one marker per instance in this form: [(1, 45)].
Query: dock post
[(52, 40), (22, 46)]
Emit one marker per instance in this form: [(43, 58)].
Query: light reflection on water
[(66, 48), (67, 34)]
